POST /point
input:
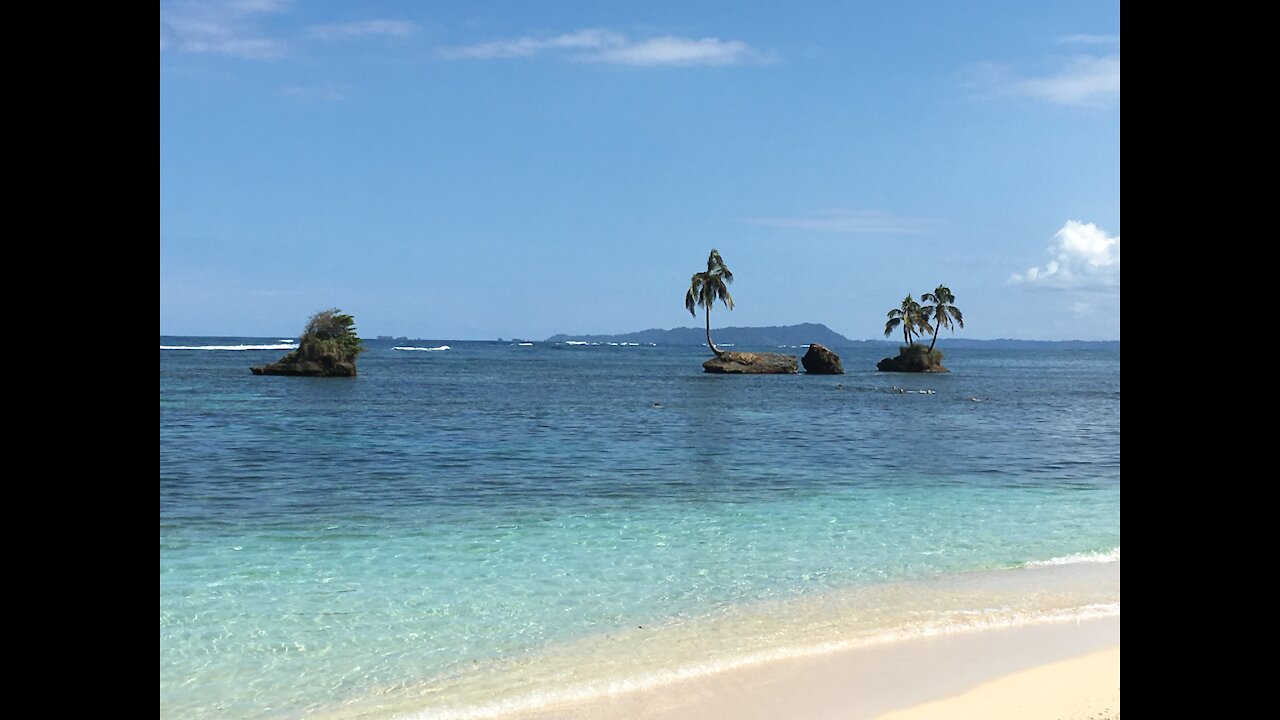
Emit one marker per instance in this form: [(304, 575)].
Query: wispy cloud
[(671, 50), (230, 27), (1084, 256), (590, 38), (1084, 81), (362, 29), (848, 222), (1078, 80), (1086, 39), (601, 45), (316, 93)]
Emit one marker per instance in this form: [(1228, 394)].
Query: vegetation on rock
[(329, 333), (328, 348), (913, 358)]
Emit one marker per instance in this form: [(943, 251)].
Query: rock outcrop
[(749, 363), (913, 359), (321, 366), (821, 361), (327, 347)]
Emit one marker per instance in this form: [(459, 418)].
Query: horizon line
[(571, 336)]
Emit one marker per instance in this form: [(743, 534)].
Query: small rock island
[(328, 348), (915, 320), (750, 363), (819, 360), (704, 289), (913, 358)]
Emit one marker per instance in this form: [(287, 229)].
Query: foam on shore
[(643, 662)]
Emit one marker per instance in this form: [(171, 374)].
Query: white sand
[(1060, 670), (1083, 687)]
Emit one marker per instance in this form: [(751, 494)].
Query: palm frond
[(725, 297), (707, 287), (714, 261), (708, 292), (693, 297), (716, 266)]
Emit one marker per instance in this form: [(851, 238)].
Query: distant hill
[(802, 334), (1008, 344), (806, 333)]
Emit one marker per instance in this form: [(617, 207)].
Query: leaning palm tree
[(912, 319), (942, 311), (707, 287)]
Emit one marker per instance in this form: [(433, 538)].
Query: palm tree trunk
[(710, 344), (934, 340)]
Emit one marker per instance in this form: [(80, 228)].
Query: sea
[(483, 529)]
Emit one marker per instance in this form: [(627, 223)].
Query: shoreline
[(1050, 670), (845, 639)]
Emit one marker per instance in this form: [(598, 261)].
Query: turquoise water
[(332, 546)]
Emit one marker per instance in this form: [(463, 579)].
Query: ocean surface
[(473, 528)]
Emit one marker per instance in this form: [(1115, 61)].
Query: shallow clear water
[(448, 513)]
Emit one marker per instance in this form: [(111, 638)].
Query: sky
[(476, 170)]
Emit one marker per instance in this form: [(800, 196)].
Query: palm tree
[(942, 311), (912, 319), (707, 287)]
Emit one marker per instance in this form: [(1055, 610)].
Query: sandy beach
[(1057, 670), (1082, 687)]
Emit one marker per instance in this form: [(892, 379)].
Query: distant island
[(806, 333), (327, 347), (802, 334)]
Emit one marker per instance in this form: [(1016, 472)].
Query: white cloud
[(1083, 81), (362, 29), (670, 50), (850, 222), (1079, 80), (587, 39), (220, 28), (1083, 256), (601, 45)]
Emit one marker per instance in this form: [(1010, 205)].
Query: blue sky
[(477, 170)]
